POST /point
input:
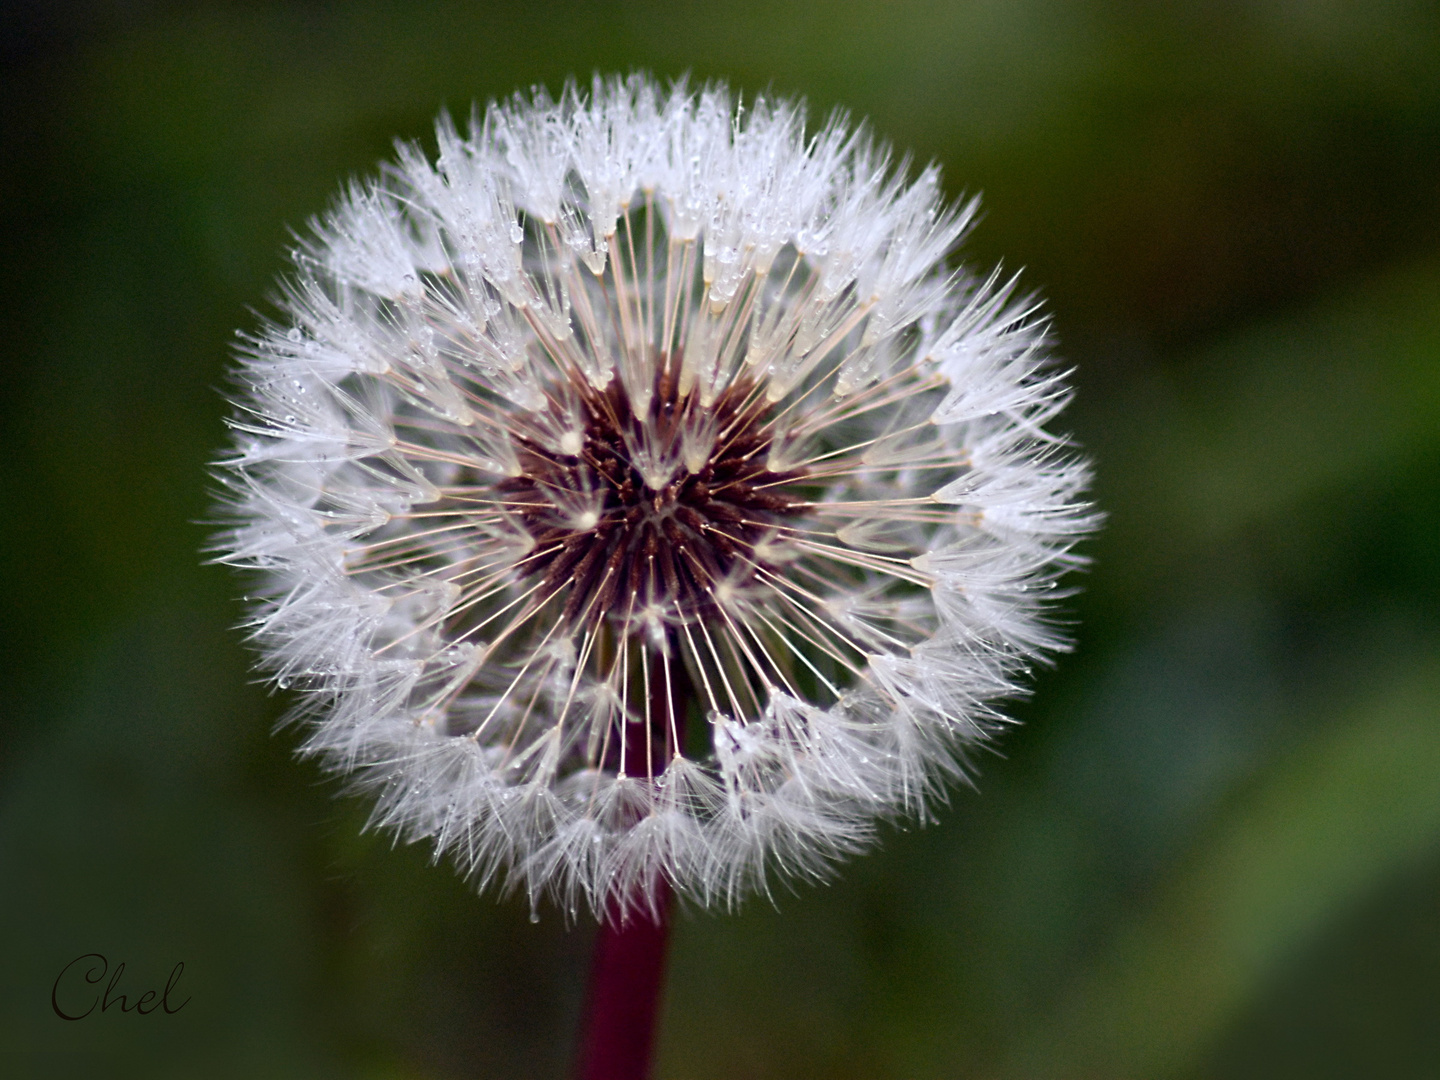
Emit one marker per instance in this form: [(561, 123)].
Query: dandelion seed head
[(636, 492)]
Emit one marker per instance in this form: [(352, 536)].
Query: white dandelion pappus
[(636, 494)]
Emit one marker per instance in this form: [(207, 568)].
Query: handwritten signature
[(92, 974)]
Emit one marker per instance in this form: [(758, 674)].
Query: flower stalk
[(627, 967), (622, 1004)]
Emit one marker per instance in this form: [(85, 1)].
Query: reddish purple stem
[(626, 976), (627, 971)]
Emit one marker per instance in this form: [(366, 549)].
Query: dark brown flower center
[(667, 547)]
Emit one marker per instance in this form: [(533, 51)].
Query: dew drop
[(534, 917), (294, 334)]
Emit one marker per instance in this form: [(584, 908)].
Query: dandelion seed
[(640, 500)]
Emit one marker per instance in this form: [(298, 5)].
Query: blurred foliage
[(1212, 849)]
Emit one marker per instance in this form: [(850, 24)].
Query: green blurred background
[(1212, 850)]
